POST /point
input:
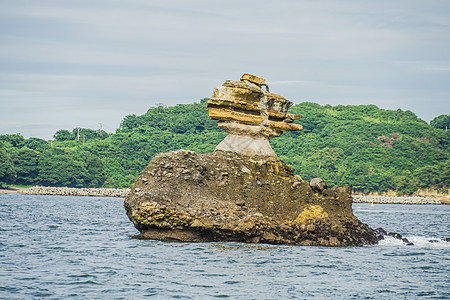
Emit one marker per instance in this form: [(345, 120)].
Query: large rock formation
[(242, 192)]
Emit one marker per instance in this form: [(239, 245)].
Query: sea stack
[(242, 192)]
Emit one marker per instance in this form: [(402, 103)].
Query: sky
[(89, 63)]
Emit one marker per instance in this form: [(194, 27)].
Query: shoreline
[(122, 193), (11, 190), (67, 191)]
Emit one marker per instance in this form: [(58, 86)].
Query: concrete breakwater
[(394, 200), (66, 191), (110, 192)]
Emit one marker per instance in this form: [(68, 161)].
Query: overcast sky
[(70, 63)]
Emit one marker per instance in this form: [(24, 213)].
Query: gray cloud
[(79, 63)]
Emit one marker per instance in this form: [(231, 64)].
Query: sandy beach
[(12, 190)]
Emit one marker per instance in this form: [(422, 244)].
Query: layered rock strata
[(250, 115)]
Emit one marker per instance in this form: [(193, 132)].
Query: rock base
[(225, 196)]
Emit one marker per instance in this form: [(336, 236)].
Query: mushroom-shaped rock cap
[(245, 102), (250, 115)]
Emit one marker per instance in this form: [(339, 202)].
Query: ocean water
[(56, 247)]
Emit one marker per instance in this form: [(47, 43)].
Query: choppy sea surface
[(58, 247)]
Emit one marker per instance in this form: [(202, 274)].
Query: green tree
[(26, 165), (95, 173), (88, 134), (63, 135), (36, 144), (441, 122), (436, 175), (7, 171), (405, 184), (14, 139), (59, 169)]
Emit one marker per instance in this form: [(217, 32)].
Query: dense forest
[(368, 148)]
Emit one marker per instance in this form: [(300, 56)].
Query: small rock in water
[(381, 230), (395, 235), (406, 241)]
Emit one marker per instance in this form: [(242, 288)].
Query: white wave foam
[(390, 241), (418, 241)]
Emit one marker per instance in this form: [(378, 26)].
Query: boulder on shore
[(242, 192)]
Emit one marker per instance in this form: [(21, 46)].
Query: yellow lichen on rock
[(311, 212), (151, 213)]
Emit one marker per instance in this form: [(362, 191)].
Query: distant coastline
[(395, 200), (121, 193)]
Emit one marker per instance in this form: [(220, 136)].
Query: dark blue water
[(81, 247)]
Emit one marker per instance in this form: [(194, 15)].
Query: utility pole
[(84, 140), (78, 134), (100, 129)]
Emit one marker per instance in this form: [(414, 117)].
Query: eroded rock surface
[(224, 196)]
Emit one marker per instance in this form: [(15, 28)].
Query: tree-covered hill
[(368, 148)]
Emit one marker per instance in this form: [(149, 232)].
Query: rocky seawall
[(394, 200), (66, 191)]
